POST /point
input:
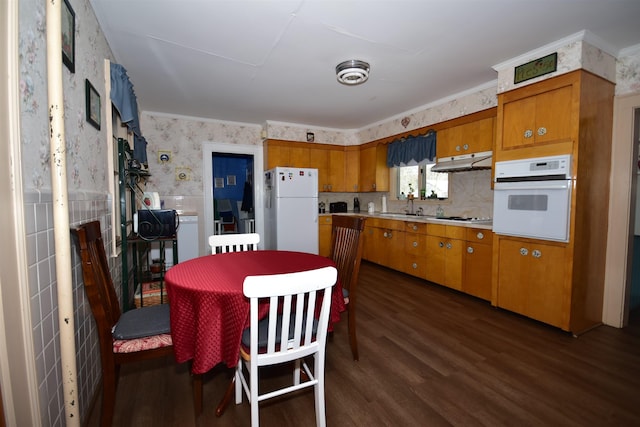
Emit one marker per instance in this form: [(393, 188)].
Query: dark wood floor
[(429, 356)]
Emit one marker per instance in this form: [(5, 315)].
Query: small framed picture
[(93, 104), (68, 18)]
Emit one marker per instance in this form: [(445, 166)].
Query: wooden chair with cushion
[(132, 336), (222, 243), (293, 313), (346, 251)]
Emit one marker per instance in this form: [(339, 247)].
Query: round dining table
[(209, 310)]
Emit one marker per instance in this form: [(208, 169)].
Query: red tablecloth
[(209, 310)]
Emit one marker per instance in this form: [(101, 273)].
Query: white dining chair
[(292, 299), (223, 243)]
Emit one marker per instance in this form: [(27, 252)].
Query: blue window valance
[(124, 99), (412, 149)]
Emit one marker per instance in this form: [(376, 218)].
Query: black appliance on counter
[(337, 207), (356, 205)]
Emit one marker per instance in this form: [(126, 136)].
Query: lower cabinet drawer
[(414, 265)]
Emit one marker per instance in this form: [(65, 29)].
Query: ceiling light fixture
[(352, 72)]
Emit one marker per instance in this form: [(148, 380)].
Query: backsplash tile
[(38, 208)]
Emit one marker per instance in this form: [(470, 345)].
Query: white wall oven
[(532, 198)]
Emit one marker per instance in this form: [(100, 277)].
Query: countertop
[(487, 225)]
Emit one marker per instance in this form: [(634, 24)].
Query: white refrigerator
[(291, 209)]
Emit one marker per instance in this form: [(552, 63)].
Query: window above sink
[(421, 181)]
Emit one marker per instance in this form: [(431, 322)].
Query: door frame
[(622, 207), (18, 376), (208, 150)]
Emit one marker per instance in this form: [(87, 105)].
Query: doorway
[(256, 172), (634, 297), (233, 198), (622, 211)]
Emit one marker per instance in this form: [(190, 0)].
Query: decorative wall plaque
[(536, 68)]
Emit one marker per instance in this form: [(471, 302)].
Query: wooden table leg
[(197, 393), (227, 397)]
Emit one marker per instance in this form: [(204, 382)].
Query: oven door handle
[(561, 185)]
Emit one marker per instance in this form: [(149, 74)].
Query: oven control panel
[(540, 168)]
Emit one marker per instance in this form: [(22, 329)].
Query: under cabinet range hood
[(464, 162)]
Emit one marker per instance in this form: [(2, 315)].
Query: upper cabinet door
[(545, 118), (468, 138)]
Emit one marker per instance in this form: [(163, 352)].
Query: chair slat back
[(97, 279), (292, 296), (346, 248), (222, 243)]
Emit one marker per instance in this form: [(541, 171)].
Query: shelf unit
[(136, 251)]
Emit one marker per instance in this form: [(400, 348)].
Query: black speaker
[(156, 223)]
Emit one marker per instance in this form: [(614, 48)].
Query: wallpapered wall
[(87, 174), (87, 180)]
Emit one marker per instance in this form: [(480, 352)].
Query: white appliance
[(188, 240), (291, 209), (532, 198)]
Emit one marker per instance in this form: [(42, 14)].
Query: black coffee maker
[(356, 205)]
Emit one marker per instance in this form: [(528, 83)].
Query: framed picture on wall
[(93, 104), (68, 18)]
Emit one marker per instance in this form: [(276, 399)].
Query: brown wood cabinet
[(319, 159), (477, 263), (414, 261), (539, 119), (468, 138), (444, 250), (352, 169), (534, 283), (286, 154), (374, 173), (384, 242), (564, 285), (338, 166), (324, 235), (450, 255)]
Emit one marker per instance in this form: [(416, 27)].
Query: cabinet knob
[(449, 246), (415, 244), (385, 234), (415, 227), (469, 250), (528, 133), (536, 253), (524, 251), (414, 265), (480, 235), (457, 148), (542, 131), (465, 146), (441, 244)]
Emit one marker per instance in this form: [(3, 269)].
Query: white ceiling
[(253, 61)]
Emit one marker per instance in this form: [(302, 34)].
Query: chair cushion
[(345, 295), (263, 331), (141, 344), (143, 322)]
